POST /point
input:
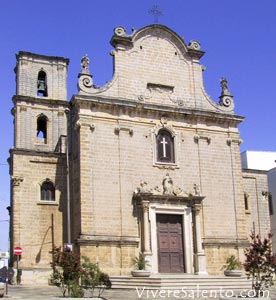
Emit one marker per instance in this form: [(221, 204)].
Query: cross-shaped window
[(165, 147)]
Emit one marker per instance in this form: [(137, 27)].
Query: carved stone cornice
[(25, 55), (115, 104), (87, 239), (27, 100), (37, 153), (16, 180), (225, 242), (190, 201)]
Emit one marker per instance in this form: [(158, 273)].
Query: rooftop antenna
[(155, 12)]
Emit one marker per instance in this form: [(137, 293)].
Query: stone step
[(178, 282)]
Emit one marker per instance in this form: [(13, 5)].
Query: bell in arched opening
[(42, 84)]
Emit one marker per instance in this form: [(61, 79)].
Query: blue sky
[(239, 37)]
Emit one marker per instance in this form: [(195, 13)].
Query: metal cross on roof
[(155, 12)]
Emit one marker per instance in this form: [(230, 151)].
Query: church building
[(146, 164)]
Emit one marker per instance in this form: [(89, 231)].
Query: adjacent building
[(264, 162)]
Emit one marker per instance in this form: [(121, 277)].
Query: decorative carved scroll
[(16, 180), (166, 188)]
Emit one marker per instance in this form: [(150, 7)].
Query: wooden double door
[(170, 243)]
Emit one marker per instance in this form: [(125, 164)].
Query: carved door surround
[(153, 202)]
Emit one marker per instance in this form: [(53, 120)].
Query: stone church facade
[(153, 162)]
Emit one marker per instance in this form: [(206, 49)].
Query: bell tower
[(37, 160), (40, 100)]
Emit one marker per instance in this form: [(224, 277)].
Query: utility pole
[(67, 112)]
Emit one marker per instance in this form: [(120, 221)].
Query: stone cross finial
[(155, 12)]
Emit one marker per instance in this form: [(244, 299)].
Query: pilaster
[(200, 259)]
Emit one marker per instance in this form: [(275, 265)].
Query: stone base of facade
[(113, 259), (217, 254), (35, 276)]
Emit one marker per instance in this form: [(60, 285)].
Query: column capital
[(197, 208), (145, 205)]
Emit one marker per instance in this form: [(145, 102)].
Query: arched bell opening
[(42, 84)]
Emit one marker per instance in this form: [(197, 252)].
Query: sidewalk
[(51, 292)]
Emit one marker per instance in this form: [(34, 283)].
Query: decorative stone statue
[(167, 185), (144, 187), (167, 188), (224, 87), (85, 64), (197, 190), (157, 190), (177, 191)]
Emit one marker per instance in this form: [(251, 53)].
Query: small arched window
[(47, 191), (165, 147), (42, 84), (41, 127)]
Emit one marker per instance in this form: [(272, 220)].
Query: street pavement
[(51, 292)]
